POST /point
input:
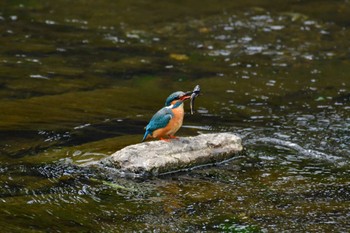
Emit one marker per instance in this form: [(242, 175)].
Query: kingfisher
[(168, 120)]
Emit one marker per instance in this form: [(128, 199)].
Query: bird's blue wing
[(160, 119)]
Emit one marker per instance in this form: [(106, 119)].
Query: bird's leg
[(172, 137), (164, 139)]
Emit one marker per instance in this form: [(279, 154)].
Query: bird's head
[(177, 97)]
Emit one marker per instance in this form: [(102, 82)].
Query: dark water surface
[(80, 79)]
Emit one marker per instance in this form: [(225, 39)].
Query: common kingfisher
[(168, 120)]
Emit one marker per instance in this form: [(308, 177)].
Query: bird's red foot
[(164, 139)]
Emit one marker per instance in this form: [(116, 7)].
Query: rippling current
[(80, 80)]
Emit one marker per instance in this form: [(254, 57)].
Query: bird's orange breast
[(174, 124)]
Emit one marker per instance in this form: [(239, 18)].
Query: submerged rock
[(159, 157)]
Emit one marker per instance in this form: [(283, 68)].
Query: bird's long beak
[(189, 93), (186, 96)]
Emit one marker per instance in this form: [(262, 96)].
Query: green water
[(80, 80)]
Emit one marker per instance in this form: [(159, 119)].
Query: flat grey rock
[(159, 157)]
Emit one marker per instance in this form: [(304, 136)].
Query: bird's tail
[(145, 136)]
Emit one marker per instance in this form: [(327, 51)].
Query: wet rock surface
[(159, 157)]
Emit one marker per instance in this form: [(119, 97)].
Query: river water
[(80, 80)]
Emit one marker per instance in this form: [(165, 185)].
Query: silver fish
[(195, 93)]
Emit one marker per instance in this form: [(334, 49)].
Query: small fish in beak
[(195, 93)]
